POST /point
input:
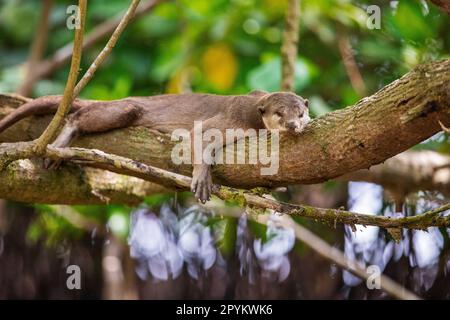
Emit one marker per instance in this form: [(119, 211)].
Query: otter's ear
[(307, 103), (261, 109), (258, 93)]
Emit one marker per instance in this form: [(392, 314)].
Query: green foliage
[(225, 231), (268, 75)]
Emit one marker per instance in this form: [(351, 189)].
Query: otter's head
[(284, 111)]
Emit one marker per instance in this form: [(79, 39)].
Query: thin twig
[(107, 49), (289, 46), (351, 67), (37, 48), (422, 221), (50, 132)]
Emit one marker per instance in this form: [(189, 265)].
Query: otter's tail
[(39, 106)]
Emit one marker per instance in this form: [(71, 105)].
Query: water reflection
[(162, 245), (172, 248), (422, 249), (269, 256)]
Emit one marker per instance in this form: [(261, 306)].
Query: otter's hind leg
[(105, 116), (96, 118)]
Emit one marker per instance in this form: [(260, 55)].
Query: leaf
[(408, 22), (226, 231)]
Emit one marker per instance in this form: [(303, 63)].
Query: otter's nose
[(291, 125)]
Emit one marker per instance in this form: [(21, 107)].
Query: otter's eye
[(301, 114), (279, 114)]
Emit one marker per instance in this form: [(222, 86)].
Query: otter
[(165, 113)]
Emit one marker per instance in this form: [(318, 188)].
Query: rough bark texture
[(397, 117), (27, 181)]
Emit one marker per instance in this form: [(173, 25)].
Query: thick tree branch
[(27, 181), (71, 91), (118, 164)]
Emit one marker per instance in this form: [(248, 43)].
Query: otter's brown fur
[(165, 113)]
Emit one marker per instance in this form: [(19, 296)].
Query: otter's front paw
[(202, 184)]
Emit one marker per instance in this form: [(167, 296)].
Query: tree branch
[(37, 48), (118, 164), (107, 49), (422, 221), (99, 159), (351, 67), (50, 132), (27, 181), (319, 246), (289, 46)]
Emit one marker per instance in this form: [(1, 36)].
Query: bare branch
[(422, 221), (37, 49), (99, 159), (50, 132), (107, 49), (348, 59), (289, 46)]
